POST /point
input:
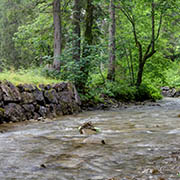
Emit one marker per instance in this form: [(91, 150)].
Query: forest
[(117, 49)]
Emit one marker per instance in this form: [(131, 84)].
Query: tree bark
[(88, 40), (57, 34), (112, 45), (77, 30)]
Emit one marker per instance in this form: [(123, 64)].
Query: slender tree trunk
[(132, 69), (57, 33), (129, 63), (77, 30), (112, 46), (88, 40)]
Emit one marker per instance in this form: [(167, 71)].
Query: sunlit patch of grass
[(29, 76)]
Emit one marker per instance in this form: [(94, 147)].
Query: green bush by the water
[(120, 91)]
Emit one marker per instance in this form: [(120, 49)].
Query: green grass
[(29, 76)]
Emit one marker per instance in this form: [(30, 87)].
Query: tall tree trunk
[(88, 36), (88, 40), (57, 33), (112, 46), (77, 30)]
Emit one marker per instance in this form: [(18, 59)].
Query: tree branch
[(159, 28), (125, 13)]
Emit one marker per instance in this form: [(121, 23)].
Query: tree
[(88, 35), (112, 46), (57, 33), (76, 31), (12, 15), (150, 48)]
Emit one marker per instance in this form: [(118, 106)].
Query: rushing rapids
[(142, 142)]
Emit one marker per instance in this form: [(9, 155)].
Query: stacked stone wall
[(27, 101)]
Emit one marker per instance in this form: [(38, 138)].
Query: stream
[(142, 143)]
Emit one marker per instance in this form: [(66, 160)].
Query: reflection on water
[(142, 142)]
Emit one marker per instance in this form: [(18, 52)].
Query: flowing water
[(142, 142)]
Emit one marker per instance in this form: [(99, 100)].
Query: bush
[(146, 92), (122, 92)]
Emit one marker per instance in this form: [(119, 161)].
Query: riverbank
[(111, 103), (29, 101)]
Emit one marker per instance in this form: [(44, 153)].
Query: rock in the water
[(168, 92), (94, 140)]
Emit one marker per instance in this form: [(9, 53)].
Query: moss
[(2, 111)]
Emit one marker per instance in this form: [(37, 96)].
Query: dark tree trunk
[(57, 34), (140, 73), (77, 30), (112, 46), (150, 50), (88, 40)]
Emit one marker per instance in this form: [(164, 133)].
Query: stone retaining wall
[(26, 101)]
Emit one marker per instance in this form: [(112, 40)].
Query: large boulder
[(10, 92), (27, 98), (177, 94), (60, 86), (68, 103), (26, 87), (168, 92), (43, 111), (39, 97), (29, 110), (51, 96), (14, 112)]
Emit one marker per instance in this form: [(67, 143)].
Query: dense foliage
[(147, 43)]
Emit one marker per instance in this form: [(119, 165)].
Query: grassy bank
[(30, 76)]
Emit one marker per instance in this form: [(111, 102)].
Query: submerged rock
[(88, 128), (94, 140)]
